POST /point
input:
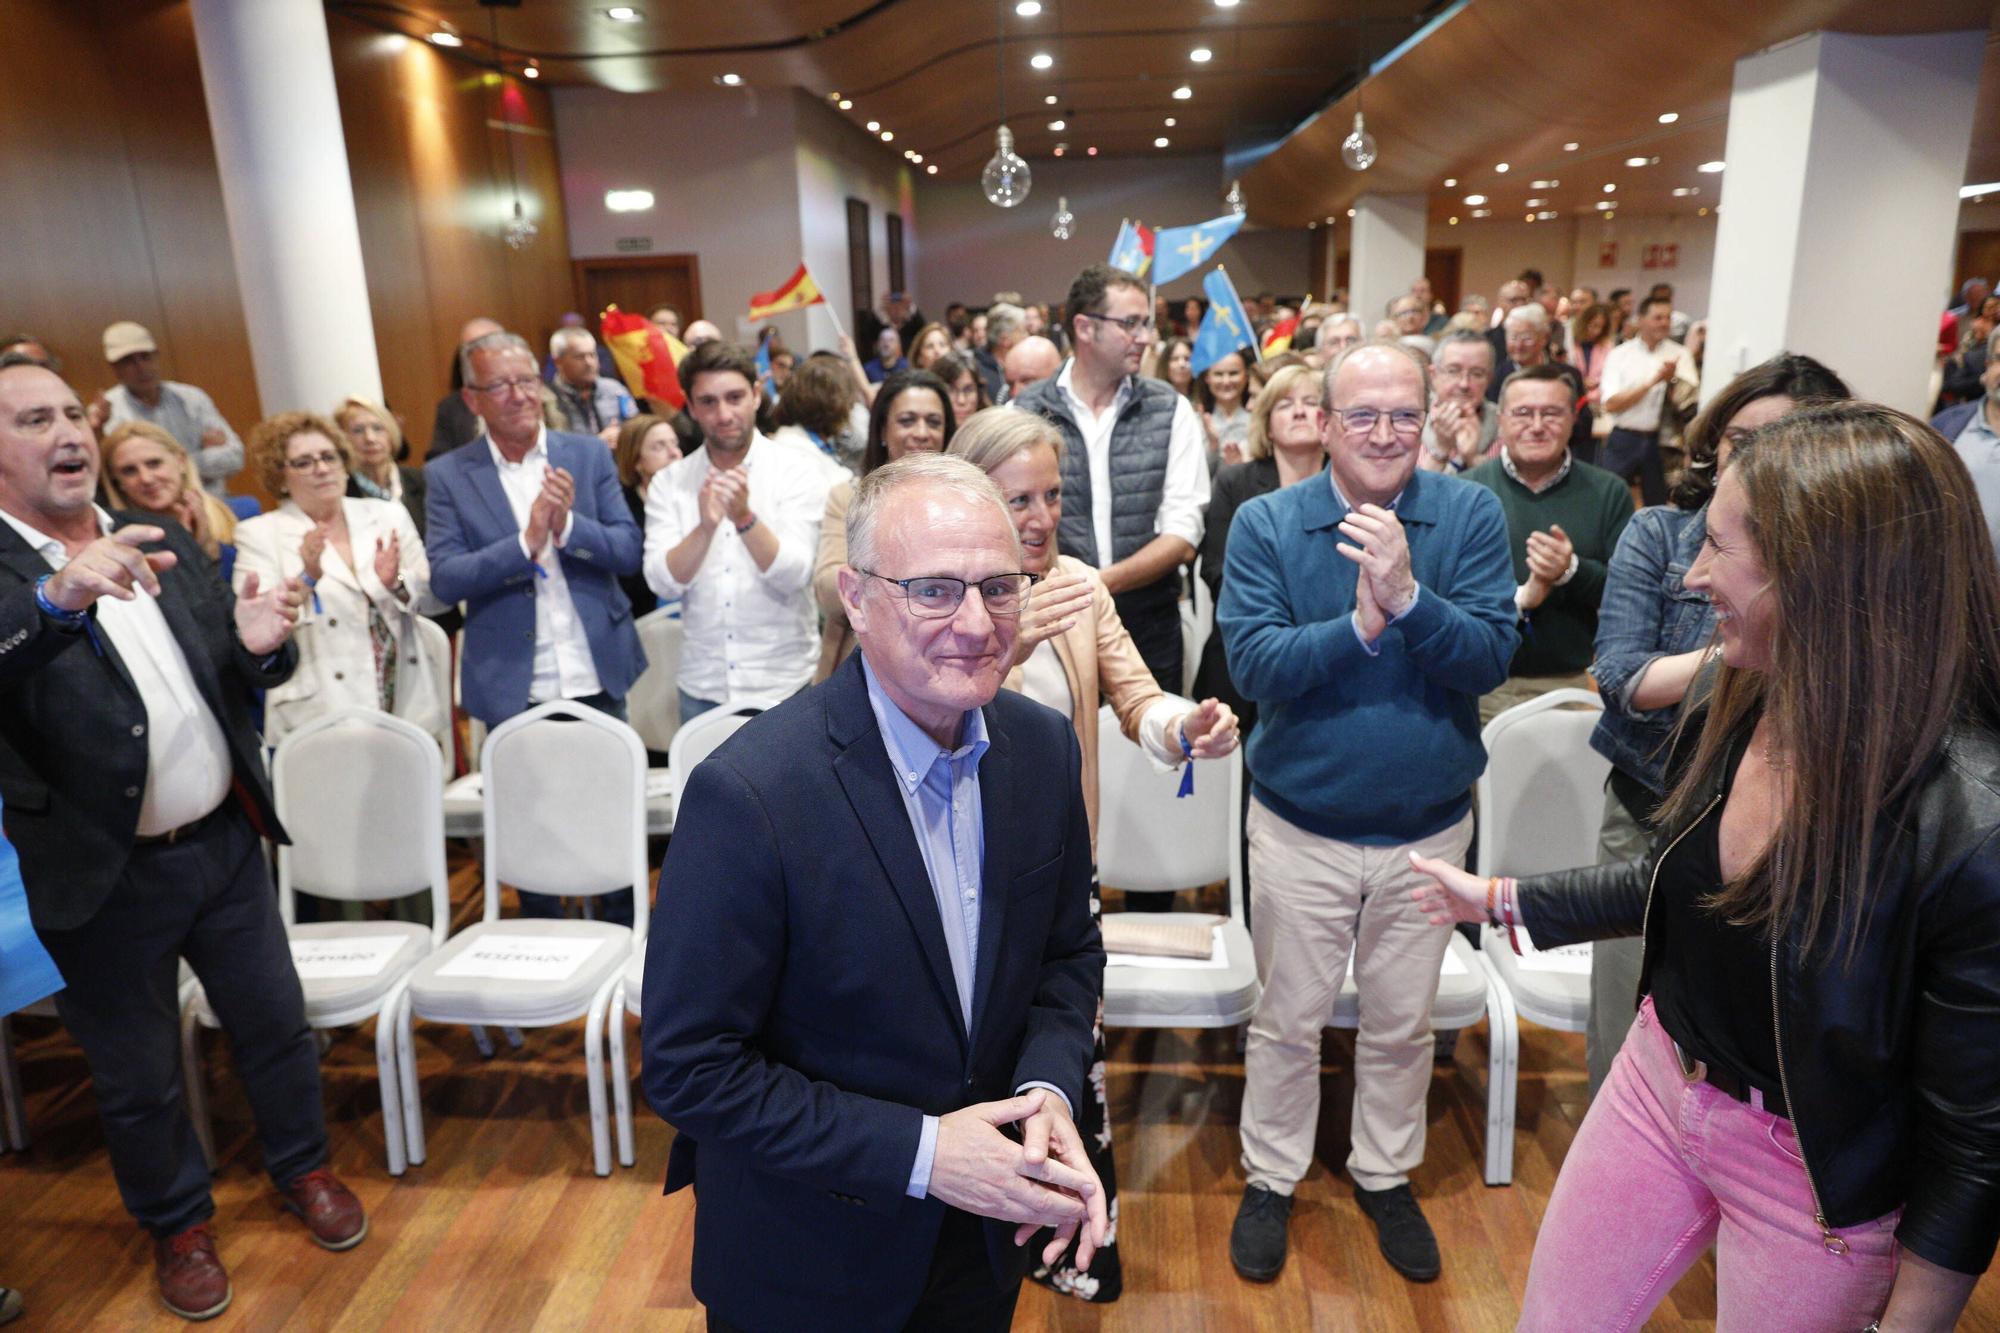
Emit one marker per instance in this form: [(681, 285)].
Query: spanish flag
[(647, 358), (798, 292), (1279, 337)]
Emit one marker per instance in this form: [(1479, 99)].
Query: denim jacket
[(1648, 612)]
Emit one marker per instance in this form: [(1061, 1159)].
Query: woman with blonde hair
[(377, 441), (363, 564), (1072, 647), (1808, 1086), (145, 468)]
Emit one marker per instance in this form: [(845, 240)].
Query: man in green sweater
[(1563, 522)]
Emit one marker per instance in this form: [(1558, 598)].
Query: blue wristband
[(51, 610), (1187, 772)]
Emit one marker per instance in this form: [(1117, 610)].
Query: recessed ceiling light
[(1474, 200), (1227, 4), (1182, 93), (1058, 125), (1160, 142), (874, 125), (1546, 214), (445, 37), (1684, 191), (532, 72), (1092, 150), (1502, 167), (931, 169), (1350, 212), (1450, 182), (1569, 148), (1609, 188), (1609, 216), (1605, 205), (846, 104), (1669, 117), (1544, 185), (1061, 148), (1482, 212), (1201, 55), (1536, 203), (887, 135), (1050, 100), (628, 201), (1527, 217), (1710, 167), (1452, 221), (916, 157), (1027, 9), (1635, 161), (1041, 60), (1170, 122), (1701, 212), (623, 14), (730, 80)]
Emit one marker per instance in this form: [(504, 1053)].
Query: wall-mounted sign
[(1607, 255), (1661, 256), (632, 245)]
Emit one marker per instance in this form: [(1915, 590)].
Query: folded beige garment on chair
[(1131, 932)]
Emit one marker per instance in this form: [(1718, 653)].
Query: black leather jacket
[(1891, 1065)]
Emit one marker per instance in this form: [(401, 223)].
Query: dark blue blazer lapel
[(863, 769), (996, 877), (485, 481), (24, 560)]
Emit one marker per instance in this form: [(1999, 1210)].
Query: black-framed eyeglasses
[(1133, 325), (938, 597), (520, 384)]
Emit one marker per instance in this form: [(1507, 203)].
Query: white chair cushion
[(1461, 993), (332, 1001), (1554, 999), (1194, 997), (517, 1001), (462, 818)]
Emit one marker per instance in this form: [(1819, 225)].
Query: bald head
[(701, 331), (476, 328), (1031, 359)]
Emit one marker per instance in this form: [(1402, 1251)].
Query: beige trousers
[(1318, 900)]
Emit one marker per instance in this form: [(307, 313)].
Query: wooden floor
[(505, 1227)]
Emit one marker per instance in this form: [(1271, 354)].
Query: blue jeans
[(692, 707), (614, 907)]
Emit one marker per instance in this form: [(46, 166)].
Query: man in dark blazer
[(134, 791), (873, 950), (529, 529)]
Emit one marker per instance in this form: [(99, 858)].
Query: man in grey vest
[(1135, 467)]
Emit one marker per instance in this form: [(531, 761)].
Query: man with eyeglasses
[(1365, 613), (529, 529), (1463, 424), (1135, 465), (1564, 518), (873, 971)]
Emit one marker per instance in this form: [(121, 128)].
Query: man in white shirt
[(1633, 391), (1135, 465), (183, 411), (135, 794), (732, 530)]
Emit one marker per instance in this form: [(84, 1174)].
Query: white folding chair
[(694, 742), (1197, 623), (654, 701), (1540, 804), (359, 793), (565, 814), (437, 652), (1150, 841)]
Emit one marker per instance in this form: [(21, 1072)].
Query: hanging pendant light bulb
[(520, 231), (1006, 179), (1235, 199), (1358, 149), (1064, 222)]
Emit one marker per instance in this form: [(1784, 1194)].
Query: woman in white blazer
[(368, 580)]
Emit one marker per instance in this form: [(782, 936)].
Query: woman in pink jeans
[(1812, 1084)]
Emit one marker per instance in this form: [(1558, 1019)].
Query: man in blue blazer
[(873, 949), (529, 529)]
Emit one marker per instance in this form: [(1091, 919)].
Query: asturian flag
[(1226, 326), (1178, 250), (1133, 250)]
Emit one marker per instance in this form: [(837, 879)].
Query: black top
[(637, 590), (1712, 980)]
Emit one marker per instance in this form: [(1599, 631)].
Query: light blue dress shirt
[(940, 790), (1979, 445)]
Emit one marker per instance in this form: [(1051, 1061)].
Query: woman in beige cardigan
[(1072, 648)]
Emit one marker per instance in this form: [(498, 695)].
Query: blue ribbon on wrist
[(312, 586), (1187, 770)]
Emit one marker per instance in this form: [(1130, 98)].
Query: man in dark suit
[(528, 528), (873, 949), (134, 791)]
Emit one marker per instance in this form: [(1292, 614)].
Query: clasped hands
[(1385, 587), (725, 494), (1043, 1181), (549, 513), (113, 565), (1549, 554)]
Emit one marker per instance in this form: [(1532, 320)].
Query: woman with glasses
[(968, 391), (1072, 649), (912, 414), (365, 571)]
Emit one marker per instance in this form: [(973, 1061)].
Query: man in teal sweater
[(1564, 518), (1365, 609)]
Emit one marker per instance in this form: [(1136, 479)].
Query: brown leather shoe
[(193, 1282), (330, 1210)]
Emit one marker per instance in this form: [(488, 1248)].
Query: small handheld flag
[(1133, 250), (798, 291), (647, 358), (1226, 326), (1279, 337), (1178, 250)]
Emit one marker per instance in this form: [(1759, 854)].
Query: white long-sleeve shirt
[(748, 635)]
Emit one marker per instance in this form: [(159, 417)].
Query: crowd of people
[(1405, 527)]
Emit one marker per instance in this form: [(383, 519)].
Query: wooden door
[(1442, 268), (639, 285)]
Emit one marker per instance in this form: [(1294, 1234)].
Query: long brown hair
[(1885, 634)]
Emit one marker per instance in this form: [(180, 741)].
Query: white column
[(1840, 207), (1386, 253), (267, 71)]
